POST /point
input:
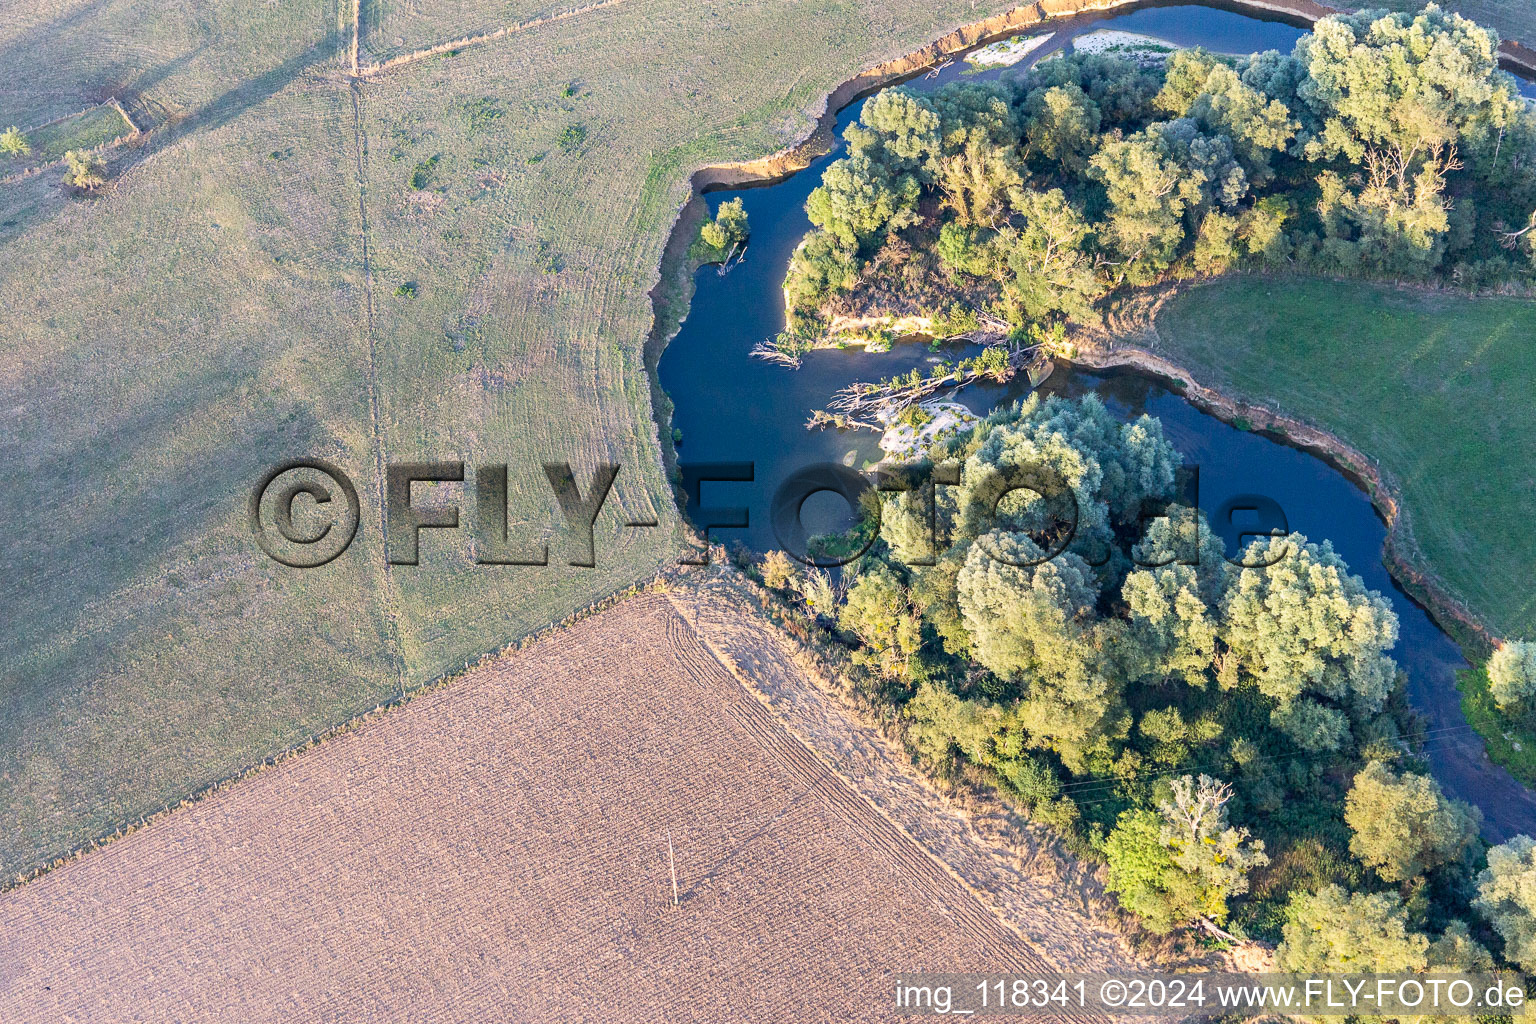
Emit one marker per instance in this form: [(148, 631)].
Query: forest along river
[(731, 407)]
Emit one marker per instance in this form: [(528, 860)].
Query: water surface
[(731, 407)]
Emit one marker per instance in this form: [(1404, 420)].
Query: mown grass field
[(1435, 386), (229, 301)]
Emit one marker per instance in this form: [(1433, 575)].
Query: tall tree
[(1311, 636), (1506, 897), (1054, 273), (1061, 126), (1404, 825), (1184, 862), (1512, 674), (1336, 932)]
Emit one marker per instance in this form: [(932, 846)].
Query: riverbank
[(673, 290), (1449, 612), (1399, 551)]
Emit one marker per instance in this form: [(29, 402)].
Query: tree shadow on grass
[(27, 207)]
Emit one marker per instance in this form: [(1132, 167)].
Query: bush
[(83, 170), (14, 143), (1512, 673), (778, 570), (421, 176)]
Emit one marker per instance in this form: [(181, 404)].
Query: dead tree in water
[(863, 397)]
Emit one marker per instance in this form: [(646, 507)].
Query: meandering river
[(733, 408)]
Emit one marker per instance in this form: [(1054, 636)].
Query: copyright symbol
[(304, 513), (1112, 993)]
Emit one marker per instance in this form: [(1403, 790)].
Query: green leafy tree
[(1221, 102), (1061, 126), (1054, 272), (1157, 180), (1035, 623), (1458, 952), (1110, 467), (1336, 932), (959, 249), (1309, 635), (878, 610), (1174, 740), (1512, 674), (728, 229), (859, 199), (941, 722), (778, 570), (1026, 620), (1506, 897), (980, 182), (1121, 89), (1400, 96), (1404, 825), (899, 129), (1174, 628), (83, 170), (820, 267), (1216, 243), (1184, 862), (1205, 845), (1143, 876), (13, 143)]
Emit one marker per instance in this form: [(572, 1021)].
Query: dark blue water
[(731, 407)]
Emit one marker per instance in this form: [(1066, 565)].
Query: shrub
[(14, 143), (1512, 673), (83, 170), (778, 570), (421, 176)]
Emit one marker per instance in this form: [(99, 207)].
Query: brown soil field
[(497, 849)]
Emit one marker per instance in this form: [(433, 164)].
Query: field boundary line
[(357, 32), (134, 128), (904, 850), (391, 614), (13, 879), (464, 42), (101, 150)]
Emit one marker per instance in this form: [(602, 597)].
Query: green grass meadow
[(1435, 386), (235, 297)]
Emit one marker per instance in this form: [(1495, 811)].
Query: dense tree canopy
[(1506, 897), (1404, 825), (1040, 607), (1340, 933), (1387, 144)]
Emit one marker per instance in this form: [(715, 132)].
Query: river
[(733, 408)]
